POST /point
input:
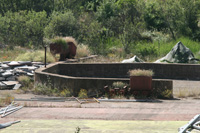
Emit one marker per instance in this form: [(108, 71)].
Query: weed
[(78, 129), (65, 93), (26, 82), (82, 51), (10, 55), (185, 92), (83, 93), (118, 84), (6, 100)]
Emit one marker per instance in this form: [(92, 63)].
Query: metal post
[(45, 56)]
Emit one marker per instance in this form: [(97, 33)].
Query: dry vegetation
[(186, 92), (140, 72)]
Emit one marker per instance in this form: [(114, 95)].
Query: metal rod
[(45, 56), (16, 109), (8, 124), (184, 128)]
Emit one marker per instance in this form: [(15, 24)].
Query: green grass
[(37, 56), (164, 48), (10, 55), (153, 51), (94, 126)]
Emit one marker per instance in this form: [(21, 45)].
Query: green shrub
[(26, 82), (42, 89), (147, 49), (61, 24), (83, 93), (118, 84), (65, 93)]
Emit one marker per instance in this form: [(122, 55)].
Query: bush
[(24, 80), (147, 49), (65, 93), (23, 28), (83, 93), (118, 84), (61, 24), (82, 51)]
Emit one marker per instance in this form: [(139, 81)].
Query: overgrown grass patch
[(187, 92), (44, 89), (152, 51), (82, 51), (37, 56), (7, 54), (7, 99), (26, 82)]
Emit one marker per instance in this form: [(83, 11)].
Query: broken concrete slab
[(6, 62), (5, 66), (14, 64), (2, 79), (10, 82), (134, 59), (28, 63), (7, 74), (17, 86), (11, 78), (27, 68), (10, 70)]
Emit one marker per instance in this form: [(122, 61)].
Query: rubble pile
[(10, 70)]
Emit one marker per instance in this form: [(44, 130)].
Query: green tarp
[(179, 54)]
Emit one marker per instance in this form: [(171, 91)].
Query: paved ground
[(154, 116), (165, 110)]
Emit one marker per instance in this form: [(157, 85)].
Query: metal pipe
[(45, 56), (15, 109), (196, 125), (8, 124)]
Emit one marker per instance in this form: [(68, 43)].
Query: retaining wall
[(119, 70), (94, 77)]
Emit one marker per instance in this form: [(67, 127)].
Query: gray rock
[(5, 66)]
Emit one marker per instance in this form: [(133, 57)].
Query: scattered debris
[(134, 59), (10, 70), (8, 124), (9, 109), (82, 101), (192, 124)]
